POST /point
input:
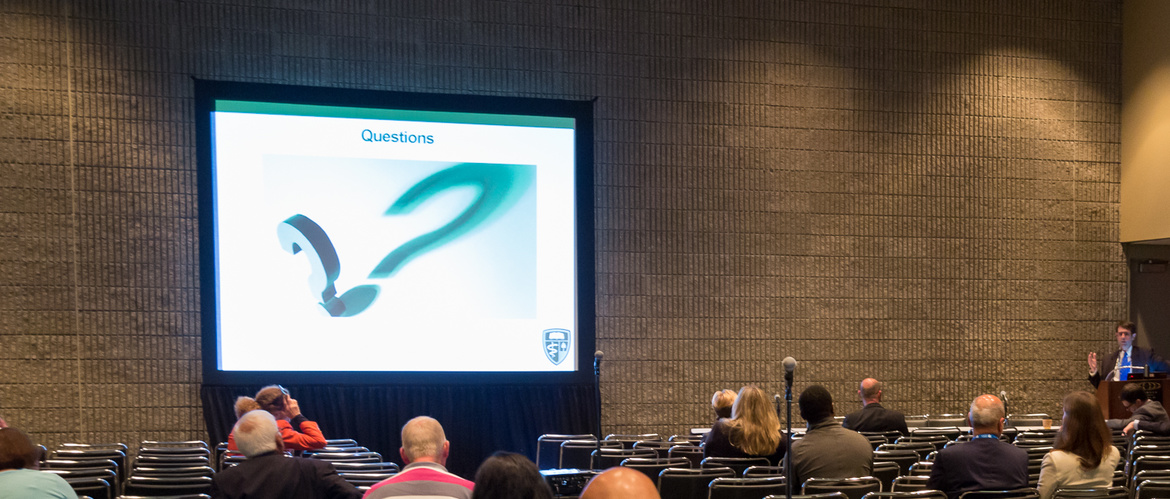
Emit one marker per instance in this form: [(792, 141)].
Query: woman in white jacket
[(1083, 455)]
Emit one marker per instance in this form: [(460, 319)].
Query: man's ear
[(402, 454), (279, 443)]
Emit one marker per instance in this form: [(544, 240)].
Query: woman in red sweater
[(297, 432)]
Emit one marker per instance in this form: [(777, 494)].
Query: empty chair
[(366, 467), (548, 448), (1033, 419), (853, 488), (689, 483), (343, 442), (94, 487), (653, 466), (904, 458), (661, 447), (1146, 475), (171, 461), (921, 468), (361, 457), (693, 454), (76, 452), (938, 441), (629, 439), (759, 471), (358, 479), (945, 420), (886, 471), (922, 448), (737, 464), (579, 453), (917, 494), (746, 488), (158, 486), (1029, 443), (1152, 489), (1092, 493), (909, 483), (875, 438), (608, 458), (1026, 493), (175, 471), (691, 439), (950, 432), (1038, 434), (831, 495)]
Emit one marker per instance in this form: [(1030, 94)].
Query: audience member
[(620, 483), (1083, 454), (1133, 398), (507, 475), (872, 416), (19, 478), (753, 430), (722, 402), (827, 450), (424, 451), (984, 463), (267, 473), (1117, 366), (276, 400)]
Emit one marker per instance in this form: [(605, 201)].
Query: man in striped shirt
[(424, 450)]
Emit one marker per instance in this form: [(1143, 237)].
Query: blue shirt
[(32, 484)]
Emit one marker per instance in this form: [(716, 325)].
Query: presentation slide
[(360, 239)]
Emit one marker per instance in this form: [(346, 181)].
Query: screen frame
[(207, 92)]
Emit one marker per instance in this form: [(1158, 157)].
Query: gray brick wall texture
[(922, 191)]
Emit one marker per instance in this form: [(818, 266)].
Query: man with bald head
[(424, 450), (872, 416), (620, 483), (985, 462), (268, 473)]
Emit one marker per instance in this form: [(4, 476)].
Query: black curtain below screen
[(478, 420)]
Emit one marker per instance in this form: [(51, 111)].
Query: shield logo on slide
[(556, 345)]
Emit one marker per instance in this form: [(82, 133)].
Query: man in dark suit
[(984, 463), (1117, 366), (1133, 398), (872, 416), (267, 473)]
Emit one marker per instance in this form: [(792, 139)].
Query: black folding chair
[(909, 483), (653, 466), (737, 464), (1025, 493), (917, 494), (745, 488), (608, 458), (853, 488), (762, 471), (689, 483), (694, 454), (548, 448), (1152, 489), (1092, 493)]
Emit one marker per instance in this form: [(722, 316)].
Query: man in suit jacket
[(984, 463), (872, 416), (267, 473), (1116, 366)]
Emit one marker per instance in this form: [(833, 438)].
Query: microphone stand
[(597, 392), (788, 441)]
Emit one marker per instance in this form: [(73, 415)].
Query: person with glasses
[(1119, 365), (1134, 400), (296, 430)]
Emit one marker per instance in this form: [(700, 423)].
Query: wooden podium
[(1109, 395)]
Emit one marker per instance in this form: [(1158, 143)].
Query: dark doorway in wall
[(1149, 294)]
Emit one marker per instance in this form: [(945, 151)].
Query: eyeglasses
[(282, 389)]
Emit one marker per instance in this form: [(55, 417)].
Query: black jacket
[(275, 476), (874, 417)]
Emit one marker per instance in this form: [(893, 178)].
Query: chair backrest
[(745, 488), (830, 495), (1146, 475), (904, 458), (578, 453), (77, 453), (1025, 493), (886, 471), (94, 487), (922, 448), (174, 472), (685, 439), (158, 486), (1092, 493), (921, 468), (854, 488), (694, 454), (1144, 463), (608, 458), (1152, 489), (689, 483), (548, 448), (628, 440), (917, 494), (737, 464), (358, 479), (876, 438), (938, 441), (653, 466), (758, 471), (662, 447), (909, 483), (361, 457), (950, 432), (945, 420), (356, 467)]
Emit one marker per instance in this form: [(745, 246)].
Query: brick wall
[(920, 191)]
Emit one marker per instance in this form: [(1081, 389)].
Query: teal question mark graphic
[(300, 234), (500, 186)]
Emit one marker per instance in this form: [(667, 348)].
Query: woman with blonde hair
[(276, 400), (752, 431), (1083, 455)]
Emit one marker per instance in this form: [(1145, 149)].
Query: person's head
[(619, 483), (423, 440), (755, 427), (1126, 333), (870, 391), (256, 433), (1133, 396), (1082, 430), (271, 398), (507, 475), (816, 404), (986, 415), (722, 402), (16, 450)]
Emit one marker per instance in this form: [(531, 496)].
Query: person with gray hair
[(268, 473), (984, 463), (424, 451)]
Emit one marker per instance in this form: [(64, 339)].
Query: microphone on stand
[(1003, 396), (789, 369), (597, 356)]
